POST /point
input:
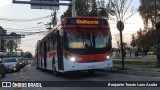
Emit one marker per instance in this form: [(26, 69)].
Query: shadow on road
[(77, 75)]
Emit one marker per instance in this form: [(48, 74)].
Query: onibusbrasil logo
[(5, 2)]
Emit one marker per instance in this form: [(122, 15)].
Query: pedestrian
[(130, 52)]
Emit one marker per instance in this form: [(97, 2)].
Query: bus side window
[(53, 42), (41, 48), (48, 43)]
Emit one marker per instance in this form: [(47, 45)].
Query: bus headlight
[(108, 57), (73, 59)]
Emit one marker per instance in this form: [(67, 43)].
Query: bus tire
[(91, 71), (37, 67), (55, 72), (41, 67)]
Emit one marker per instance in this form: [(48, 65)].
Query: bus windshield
[(88, 39)]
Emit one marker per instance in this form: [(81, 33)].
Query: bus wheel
[(37, 67), (41, 67), (55, 72), (91, 71)]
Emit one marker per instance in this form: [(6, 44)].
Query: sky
[(8, 10)]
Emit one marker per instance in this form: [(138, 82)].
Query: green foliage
[(148, 37), (152, 49), (147, 11), (68, 13), (11, 45), (145, 39), (88, 8), (83, 7), (2, 31), (27, 55), (133, 42)]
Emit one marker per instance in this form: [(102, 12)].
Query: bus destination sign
[(93, 22)]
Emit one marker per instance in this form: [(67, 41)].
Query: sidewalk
[(140, 70), (137, 58)]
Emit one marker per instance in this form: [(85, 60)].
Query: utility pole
[(157, 24), (120, 27), (73, 8)]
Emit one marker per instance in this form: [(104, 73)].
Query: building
[(2, 41)]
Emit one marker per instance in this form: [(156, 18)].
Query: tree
[(147, 13), (28, 54), (133, 42), (68, 13), (88, 8), (83, 8), (2, 31), (2, 41), (119, 10), (144, 39), (11, 45), (105, 10), (93, 6)]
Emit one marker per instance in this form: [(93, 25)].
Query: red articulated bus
[(77, 43)]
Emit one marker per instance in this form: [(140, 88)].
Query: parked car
[(2, 68), (11, 64), (21, 61), (151, 53), (27, 60)]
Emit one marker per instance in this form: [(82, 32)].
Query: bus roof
[(54, 29)]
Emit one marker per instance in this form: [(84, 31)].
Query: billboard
[(45, 6)]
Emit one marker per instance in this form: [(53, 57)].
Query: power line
[(24, 29), (25, 20)]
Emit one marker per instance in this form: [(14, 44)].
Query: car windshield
[(9, 60)]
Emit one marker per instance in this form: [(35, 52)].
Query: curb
[(132, 72)]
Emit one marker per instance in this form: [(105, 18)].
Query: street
[(30, 73)]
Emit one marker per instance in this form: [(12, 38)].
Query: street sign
[(43, 6), (120, 25)]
